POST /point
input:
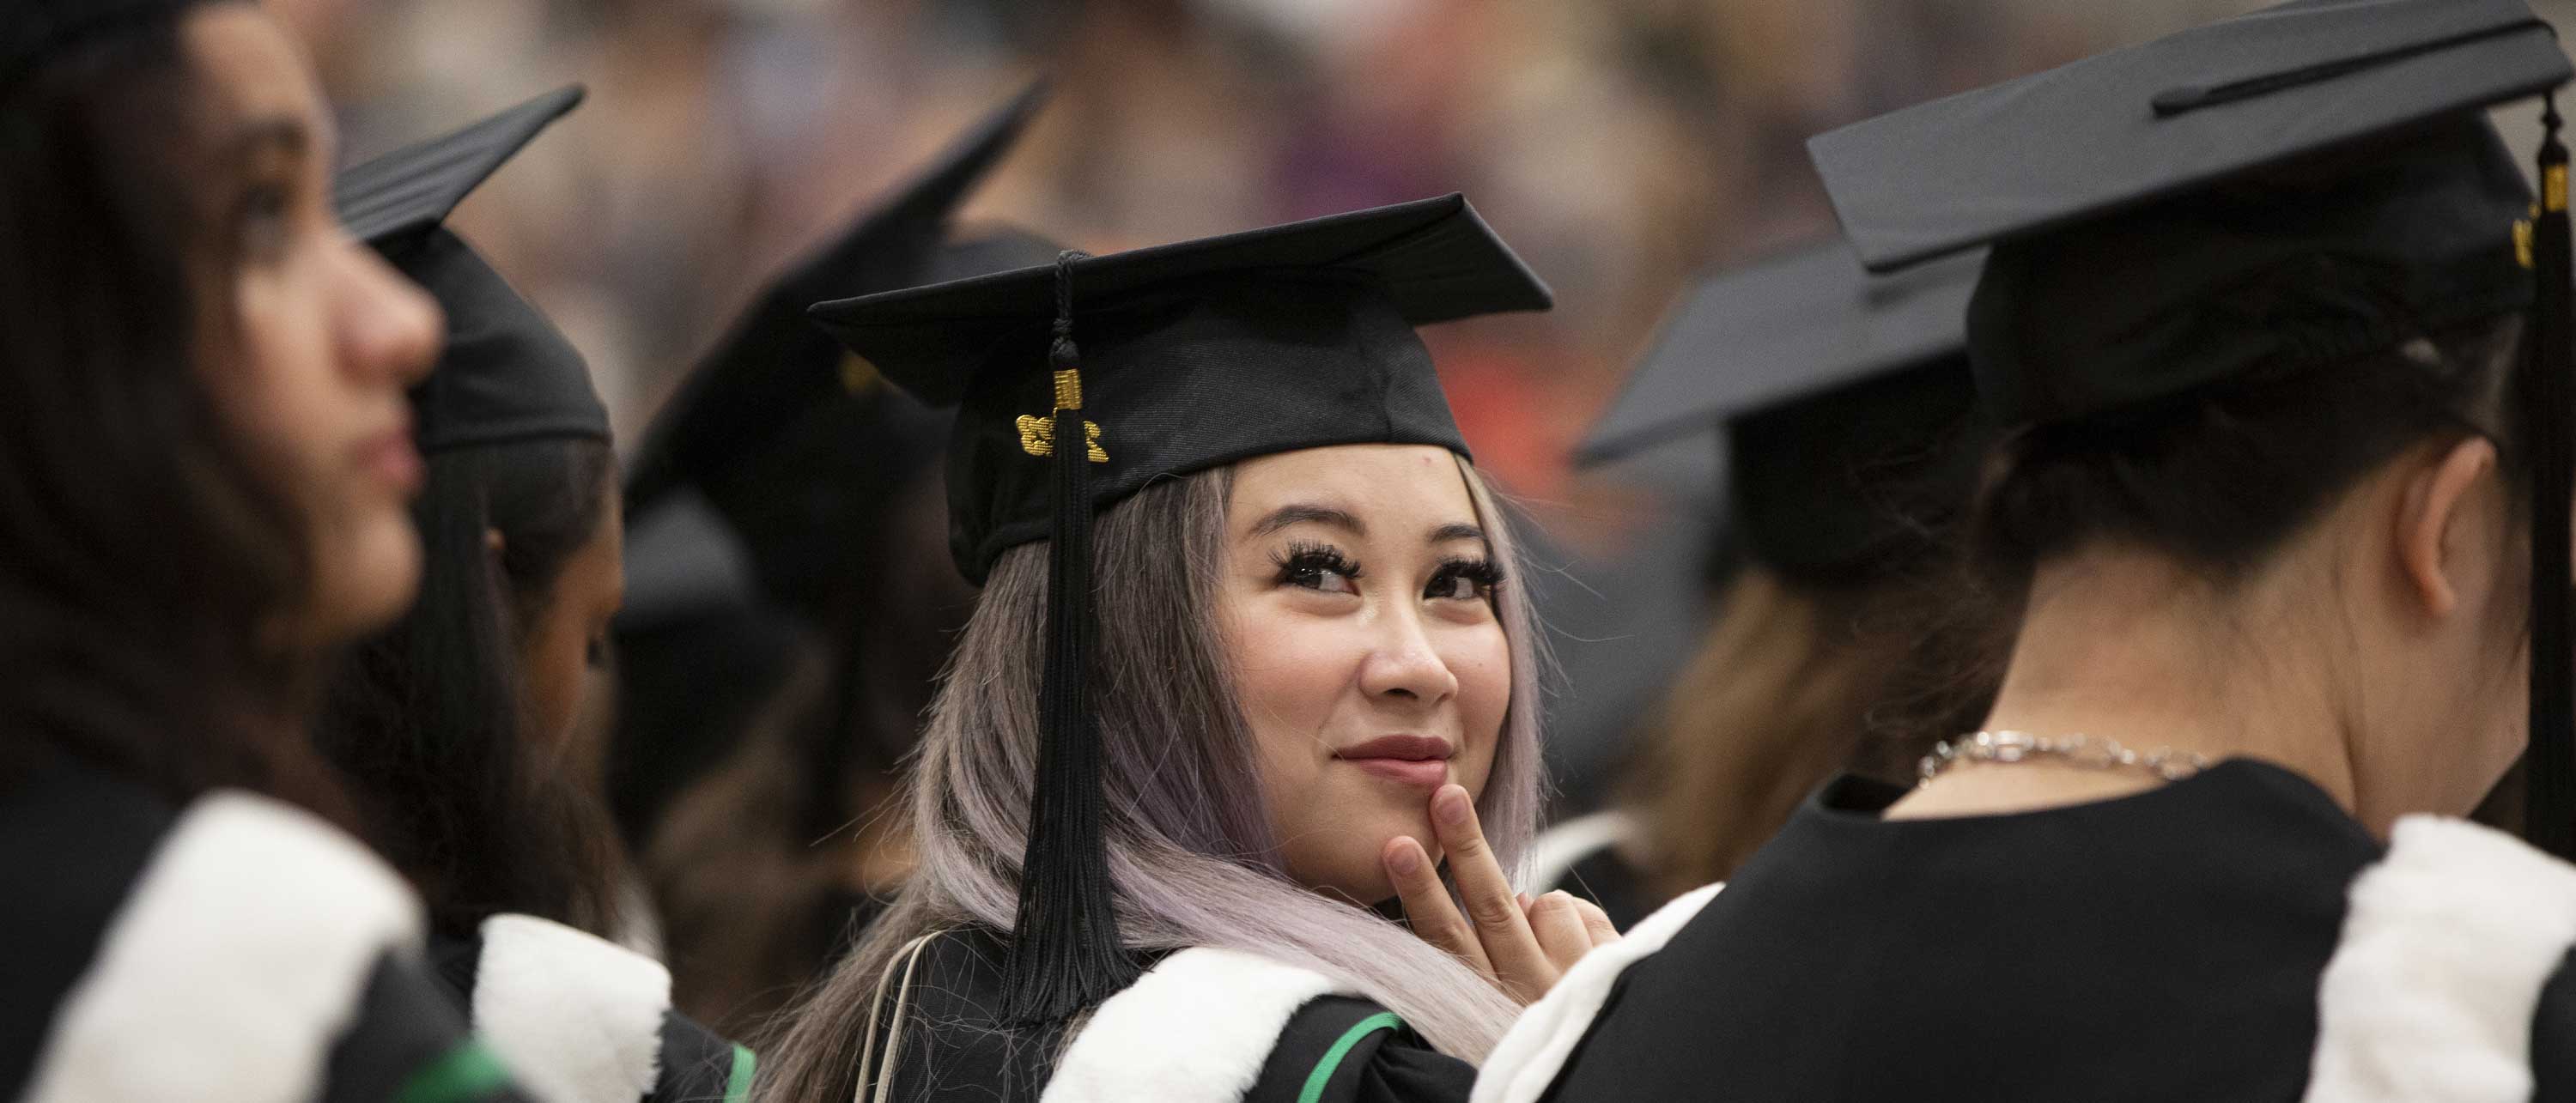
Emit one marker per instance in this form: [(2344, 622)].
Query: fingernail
[(1405, 858), (1453, 806)]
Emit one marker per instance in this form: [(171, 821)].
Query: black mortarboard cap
[(2293, 188), (2169, 116), (507, 373), (1201, 353), (1848, 415), (1077, 383), (32, 30), (774, 364)]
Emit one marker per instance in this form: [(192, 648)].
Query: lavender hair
[(1191, 844)]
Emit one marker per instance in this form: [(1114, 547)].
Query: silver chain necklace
[(2089, 752)]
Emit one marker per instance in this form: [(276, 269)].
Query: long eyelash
[(1483, 572), (1302, 558)]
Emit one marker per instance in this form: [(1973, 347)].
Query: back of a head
[(2236, 276), (434, 720), (2323, 360), (1850, 440)]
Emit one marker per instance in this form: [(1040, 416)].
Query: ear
[(2435, 524)]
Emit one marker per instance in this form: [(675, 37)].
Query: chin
[(1345, 861), (370, 583)]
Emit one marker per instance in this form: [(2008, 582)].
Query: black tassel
[(1065, 952), (2549, 405)]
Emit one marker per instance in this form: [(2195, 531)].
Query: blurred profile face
[(311, 339), (1357, 601), (566, 640)]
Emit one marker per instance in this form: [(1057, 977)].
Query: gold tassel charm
[(1037, 437)]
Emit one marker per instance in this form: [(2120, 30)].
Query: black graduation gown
[(1203, 1026), (236, 949), (583, 1019), (2232, 936)]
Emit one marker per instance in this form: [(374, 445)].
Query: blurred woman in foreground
[(205, 463)]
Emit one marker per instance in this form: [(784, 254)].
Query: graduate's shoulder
[(1213, 1025), (221, 950), (586, 1020), (2452, 967)]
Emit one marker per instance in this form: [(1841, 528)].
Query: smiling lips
[(1417, 760)]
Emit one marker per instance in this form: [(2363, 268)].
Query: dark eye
[(1318, 567), (260, 221), (1463, 580)]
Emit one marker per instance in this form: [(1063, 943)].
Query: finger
[(1426, 903), (1560, 931), (1596, 923), (1492, 907)]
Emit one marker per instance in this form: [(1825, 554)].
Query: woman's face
[(312, 340), (566, 642), (1357, 600)]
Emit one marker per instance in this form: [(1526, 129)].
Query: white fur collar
[(577, 1018), (234, 965), (1197, 1028), (2430, 994), (1530, 1055)]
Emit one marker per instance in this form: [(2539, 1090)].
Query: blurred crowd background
[(1620, 145)]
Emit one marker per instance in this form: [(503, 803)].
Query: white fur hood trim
[(1195, 1029), (234, 966), (2448, 943), (577, 1018), (1530, 1055), (1553, 854)]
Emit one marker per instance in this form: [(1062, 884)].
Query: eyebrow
[(1287, 515), (1305, 514), (269, 133)]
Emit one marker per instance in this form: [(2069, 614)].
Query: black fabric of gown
[(953, 1050), (2162, 946), (74, 842)]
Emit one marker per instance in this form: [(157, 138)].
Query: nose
[(1404, 664), (387, 327)]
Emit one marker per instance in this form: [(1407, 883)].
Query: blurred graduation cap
[(794, 450), (774, 363), (507, 373), (2288, 189), (1847, 412), (1076, 384)]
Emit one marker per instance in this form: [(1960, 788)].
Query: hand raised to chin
[(1522, 945)]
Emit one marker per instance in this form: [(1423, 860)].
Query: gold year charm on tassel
[(1037, 434)]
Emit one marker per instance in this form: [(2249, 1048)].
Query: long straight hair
[(1191, 848), (427, 719)]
